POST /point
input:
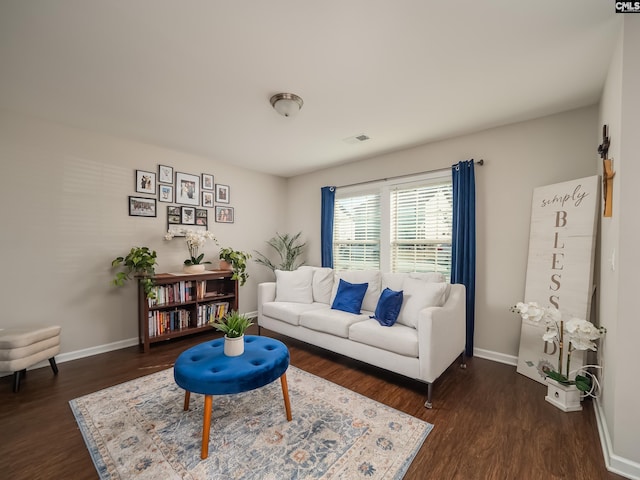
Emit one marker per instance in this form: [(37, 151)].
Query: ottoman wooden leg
[(206, 426), (187, 397), (285, 394)]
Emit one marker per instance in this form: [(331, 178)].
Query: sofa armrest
[(441, 334), (266, 293)]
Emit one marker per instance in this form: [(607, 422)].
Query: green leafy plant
[(238, 261), (139, 262), (233, 324), (288, 247)]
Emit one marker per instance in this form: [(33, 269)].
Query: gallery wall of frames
[(190, 197)]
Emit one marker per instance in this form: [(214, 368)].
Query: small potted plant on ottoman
[(233, 324)]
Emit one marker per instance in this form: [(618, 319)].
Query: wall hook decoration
[(607, 173)]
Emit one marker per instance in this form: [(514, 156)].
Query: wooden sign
[(560, 265)]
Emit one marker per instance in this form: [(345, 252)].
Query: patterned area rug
[(139, 430)]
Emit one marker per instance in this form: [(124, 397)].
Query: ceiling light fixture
[(286, 104)]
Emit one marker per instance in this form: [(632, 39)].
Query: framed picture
[(165, 174), (207, 199), (224, 214), (207, 181), (165, 193), (187, 189), (188, 216), (174, 219), (201, 216), (173, 210), (145, 182), (222, 193), (142, 207)]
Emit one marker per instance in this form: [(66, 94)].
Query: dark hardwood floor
[(489, 422)]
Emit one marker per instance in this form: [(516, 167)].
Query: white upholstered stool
[(23, 347)]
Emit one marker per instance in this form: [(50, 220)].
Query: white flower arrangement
[(580, 333), (195, 240)]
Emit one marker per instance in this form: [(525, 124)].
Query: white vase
[(565, 397), (233, 347), (193, 268)]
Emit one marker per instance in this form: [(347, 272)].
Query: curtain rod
[(479, 162)]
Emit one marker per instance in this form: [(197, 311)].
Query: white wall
[(620, 257), (518, 158), (63, 205)]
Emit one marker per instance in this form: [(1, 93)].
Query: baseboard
[(495, 356), (614, 463)]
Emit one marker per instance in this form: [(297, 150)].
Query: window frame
[(383, 188)]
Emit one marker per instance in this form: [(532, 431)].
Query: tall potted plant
[(288, 247), (140, 262), (237, 263), (233, 324)]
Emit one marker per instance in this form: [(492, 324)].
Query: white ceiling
[(197, 75)]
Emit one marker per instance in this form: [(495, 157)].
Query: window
[(421, 221), (396, 226), (356, 232)]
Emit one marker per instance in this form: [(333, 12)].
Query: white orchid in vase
[(195, 240), (581, 335)]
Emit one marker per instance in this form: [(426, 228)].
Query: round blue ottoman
[(205, 369)]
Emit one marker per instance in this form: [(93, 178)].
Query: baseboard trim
[(613, 462), (495, 356)]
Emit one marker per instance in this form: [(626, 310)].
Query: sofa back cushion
[(419, 294), (371, 277), (395, 281), (322, 283), (294, 286)]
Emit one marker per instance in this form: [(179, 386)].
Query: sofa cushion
[(395, 280), (349, 296), (294, 286), (419, 294), (388, 307), (372, 277), (334, 322), (429, 276), (398, 339), (290, 312), (322, 283)]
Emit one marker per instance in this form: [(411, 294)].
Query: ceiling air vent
[(356, 139)]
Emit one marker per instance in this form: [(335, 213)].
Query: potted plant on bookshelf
[(140, 263), (233, 324), (194, 239), (236, 261), (288, 247)]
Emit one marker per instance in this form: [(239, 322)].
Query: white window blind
[(356, 232), (421, 221)]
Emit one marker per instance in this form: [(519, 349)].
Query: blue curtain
[(326, 225), (463, 248)]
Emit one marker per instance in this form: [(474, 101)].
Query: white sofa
[(428, 336)]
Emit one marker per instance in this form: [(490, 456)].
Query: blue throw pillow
[(388, 307), (349, 296)]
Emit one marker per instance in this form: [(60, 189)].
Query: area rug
[(139, 430)]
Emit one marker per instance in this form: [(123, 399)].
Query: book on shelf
[(164, 322), (211, 312)]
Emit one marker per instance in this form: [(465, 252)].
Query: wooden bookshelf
[(184, 304)]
